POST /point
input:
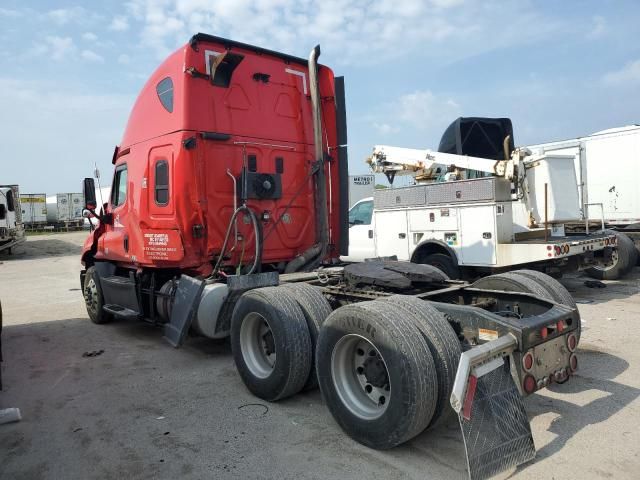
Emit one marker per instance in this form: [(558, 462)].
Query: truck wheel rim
[(91, 296), (615, 257), (257, 345), (360, 377)]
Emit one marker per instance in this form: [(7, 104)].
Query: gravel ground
[(142, 409)]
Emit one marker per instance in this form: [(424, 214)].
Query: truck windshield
[(360, 213)]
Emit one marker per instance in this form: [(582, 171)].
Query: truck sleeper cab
[(228, 223)]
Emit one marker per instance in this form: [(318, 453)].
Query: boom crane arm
[(427, 164)]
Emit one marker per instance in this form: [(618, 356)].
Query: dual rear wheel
[(385, 368)]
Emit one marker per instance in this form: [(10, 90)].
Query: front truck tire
[(625, 257), (316, 309), (270, 342), (533, 282), (376, 374), (444, 346), (93, 298)]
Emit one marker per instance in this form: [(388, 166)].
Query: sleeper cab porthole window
[(165, 93)]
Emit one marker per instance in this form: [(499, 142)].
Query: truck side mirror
[(89, 192)]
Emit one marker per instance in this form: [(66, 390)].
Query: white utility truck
[(607, 175), (511, 216), (11, 229)]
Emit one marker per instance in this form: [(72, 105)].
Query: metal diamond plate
[(400, 197), (498, 435)]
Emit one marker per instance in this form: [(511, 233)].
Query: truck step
[(120, 312), (497, 435)]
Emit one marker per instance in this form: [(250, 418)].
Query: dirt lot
[(145, 410)]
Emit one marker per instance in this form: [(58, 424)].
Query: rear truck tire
[(554, 288), (270, 343), (376, 374), (443, 344), (444, 263), (93, 298), (316, 309), (625, 257), (523, 281)]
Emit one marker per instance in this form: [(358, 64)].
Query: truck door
[(361, 243), (392, 234), (116, 236)]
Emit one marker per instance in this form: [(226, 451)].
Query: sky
[(71, 70)]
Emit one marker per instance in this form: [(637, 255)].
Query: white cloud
[(598, 27), (124, 59), (351, 31), (7, 12), (91, 56), (417, 114), (385, 128), (54, 109), (629, 74), (90, 36), (62, 16), (119, 24), (55, 47)]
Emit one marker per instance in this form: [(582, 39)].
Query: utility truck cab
[(11, 228)]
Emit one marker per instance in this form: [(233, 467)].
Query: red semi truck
[(227, 215)]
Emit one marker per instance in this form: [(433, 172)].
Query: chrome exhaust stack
[(321, 185)]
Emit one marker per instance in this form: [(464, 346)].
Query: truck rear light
[(468, 399), (549, 247), (572, 342), (557, 249), (529, 384), (527, 361), (573, 363)]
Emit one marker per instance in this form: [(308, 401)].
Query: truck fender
[(430, 246)]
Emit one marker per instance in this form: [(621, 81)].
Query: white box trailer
[(34, 208), (606, 165), (65, 208), (360, 186), (607, 175)]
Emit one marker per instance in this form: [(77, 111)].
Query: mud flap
[(497, 435), (187, 299), (495, 428)]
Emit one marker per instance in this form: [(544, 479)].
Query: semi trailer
[(471, 216), (227, 215), (11, 227), (34, 209)]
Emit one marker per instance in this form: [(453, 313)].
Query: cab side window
[(162, 183), (11, 205), (361, 213), (119, 188)]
